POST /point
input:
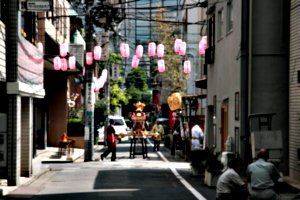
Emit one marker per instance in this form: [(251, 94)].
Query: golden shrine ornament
[(175, 101)]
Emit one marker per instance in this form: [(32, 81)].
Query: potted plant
[(213, 168), (206, 162), (198, 161)]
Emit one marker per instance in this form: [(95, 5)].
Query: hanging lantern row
[(180, 47), (124, 50), (99, 83), (203, 45), (63, 63), (63, 50), (135, 61), (187, 67), (91, 56), (151, 49), (161, 65)]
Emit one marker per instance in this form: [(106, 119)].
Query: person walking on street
[(157, 128), (197, 137), (185, 138), (262, 177), (111, 141), (176, 135), (230, 185)]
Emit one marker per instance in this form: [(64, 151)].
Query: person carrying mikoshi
[(157, 128)]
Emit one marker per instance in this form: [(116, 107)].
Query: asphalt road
[(160, 176)]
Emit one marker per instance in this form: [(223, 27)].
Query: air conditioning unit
[(77, 50)]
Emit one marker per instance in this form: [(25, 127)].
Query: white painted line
[(182, 180)]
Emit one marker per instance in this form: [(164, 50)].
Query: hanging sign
[(36, 5), (115, 72)]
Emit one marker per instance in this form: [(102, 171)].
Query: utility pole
[(88, 85)]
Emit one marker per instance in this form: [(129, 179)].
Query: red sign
[(172, 118), (158, 107)]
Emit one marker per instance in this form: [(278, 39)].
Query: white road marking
[(182, 180)]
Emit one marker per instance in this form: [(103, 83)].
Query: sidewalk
[(48, 155)]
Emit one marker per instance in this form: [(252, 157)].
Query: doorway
[(224, 126)]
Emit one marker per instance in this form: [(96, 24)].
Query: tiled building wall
[(294, 91), (26, 136), (14, 140)]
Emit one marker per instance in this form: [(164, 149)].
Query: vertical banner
[(172, 118), (115, 72)]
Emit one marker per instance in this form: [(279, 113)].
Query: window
[(209, 52), (229, 22), (220, 24)]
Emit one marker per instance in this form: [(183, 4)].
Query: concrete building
[(294, 75), (34, 109), (247, 74)]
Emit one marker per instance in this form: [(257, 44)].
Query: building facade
[(247, 57), (294, 134)]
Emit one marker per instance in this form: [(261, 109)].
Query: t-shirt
[(229, 181), (261, 174)]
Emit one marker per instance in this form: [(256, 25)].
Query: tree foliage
[(137, 88), (118, 96), (173, 79)]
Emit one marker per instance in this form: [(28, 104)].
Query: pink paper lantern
[(97, 52), (72, 62), (161, 65), (151, 49), (124, 50), (40, 47), (63, 50), (177, 45), (64, 64), (160, 50), (203, 45), (99, 83), (89, 58), (104, 75), (135, 61), (56, 63), (139, 51), (182, 49), (187, 67)]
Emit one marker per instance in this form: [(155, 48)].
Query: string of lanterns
[(179, 48), (61, 63), (89, 58)]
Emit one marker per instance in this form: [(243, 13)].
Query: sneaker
[(101, 156)]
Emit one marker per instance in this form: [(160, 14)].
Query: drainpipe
[(249, 55), (245, 48)]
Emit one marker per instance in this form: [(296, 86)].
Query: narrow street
[(159, 176)]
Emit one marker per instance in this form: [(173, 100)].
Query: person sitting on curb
[(230, 186), (262, 177)]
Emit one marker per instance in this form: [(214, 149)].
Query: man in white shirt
[(230, 186), (197, 137)]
